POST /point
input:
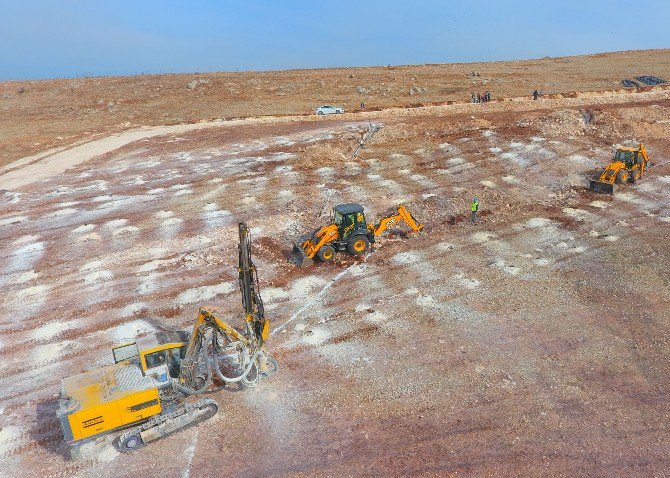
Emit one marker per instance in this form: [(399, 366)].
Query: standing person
[(474, 100), (362, 105), (479, 98), (474, 208), (536, 94)]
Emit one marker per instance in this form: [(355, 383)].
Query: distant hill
[(38, 115)]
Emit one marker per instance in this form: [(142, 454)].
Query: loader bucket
[(298, 257), (601, 187)]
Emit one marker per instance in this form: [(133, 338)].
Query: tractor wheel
[(326, 253), (358, 245), (622, 176), (635, 176)]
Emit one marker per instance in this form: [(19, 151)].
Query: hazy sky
[(69, 38)]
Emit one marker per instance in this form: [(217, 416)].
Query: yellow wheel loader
[(146, 392), (348, 231), (629, 165)]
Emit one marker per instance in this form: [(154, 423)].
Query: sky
[(74, 38)]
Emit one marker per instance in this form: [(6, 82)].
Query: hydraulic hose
[(192, 391), (275, 366), (240, 377)]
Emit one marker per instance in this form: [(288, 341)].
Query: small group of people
[(481, 97), (537, 94)]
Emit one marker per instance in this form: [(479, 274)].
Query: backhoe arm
[(403, 215), (645, 156)]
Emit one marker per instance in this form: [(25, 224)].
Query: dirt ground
[(533, 343), (36, 116)]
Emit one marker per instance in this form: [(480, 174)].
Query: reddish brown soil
[(40, 115), (533, 343)]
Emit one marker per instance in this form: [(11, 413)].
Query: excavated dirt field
[(533, 343), (45, 114)]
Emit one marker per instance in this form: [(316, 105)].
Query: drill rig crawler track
[(163, 425)]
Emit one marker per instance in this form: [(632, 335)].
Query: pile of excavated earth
[(534, 342)]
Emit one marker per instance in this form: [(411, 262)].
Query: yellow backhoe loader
[(149, 385), (348, 231), (629, 165)]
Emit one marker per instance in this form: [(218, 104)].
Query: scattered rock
[(193, 84)]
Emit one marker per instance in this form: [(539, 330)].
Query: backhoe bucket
[(601, 187), (299, 258)]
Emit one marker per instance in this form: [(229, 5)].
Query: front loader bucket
[(299, 258), (601, 187)]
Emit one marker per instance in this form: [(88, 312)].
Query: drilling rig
[(148, 390)]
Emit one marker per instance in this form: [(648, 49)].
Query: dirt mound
[(397, 132), (608, 126), (431, 209), (321, 155), (598, 123), (563, 123)]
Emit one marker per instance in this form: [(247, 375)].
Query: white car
[(329, 110)]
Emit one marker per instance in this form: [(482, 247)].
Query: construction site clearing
[(534, 342)]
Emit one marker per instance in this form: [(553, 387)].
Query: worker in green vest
[(474, 208)]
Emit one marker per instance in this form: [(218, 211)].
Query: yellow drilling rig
[(147, 391)]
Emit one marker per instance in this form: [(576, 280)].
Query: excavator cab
[(625, 157), (349, 218), (351, 234)]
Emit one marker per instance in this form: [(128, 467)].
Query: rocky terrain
[(533, 343), (36, 116)]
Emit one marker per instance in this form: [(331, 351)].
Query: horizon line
[(389, 65)]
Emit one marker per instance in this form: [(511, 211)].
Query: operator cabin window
[(174, 365), (156, 359)]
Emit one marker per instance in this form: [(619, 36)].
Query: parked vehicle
[(329, 110)]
